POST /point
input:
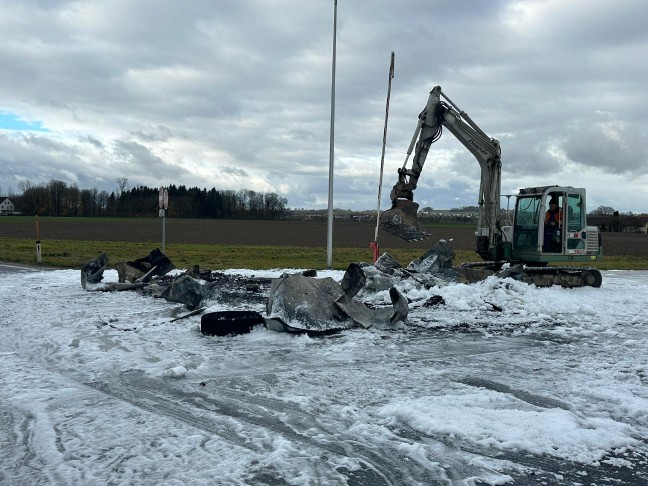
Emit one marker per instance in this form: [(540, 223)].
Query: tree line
[(605, 217), (57, 198), (609, 219)]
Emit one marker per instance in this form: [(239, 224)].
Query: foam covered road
[(501, 383)]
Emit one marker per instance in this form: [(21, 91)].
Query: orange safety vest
[(554, 216)]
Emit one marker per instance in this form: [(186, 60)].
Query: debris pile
[(297, 303)]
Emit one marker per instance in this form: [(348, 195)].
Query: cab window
[(574, 212)]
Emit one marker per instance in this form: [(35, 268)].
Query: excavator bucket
[(401, 221)]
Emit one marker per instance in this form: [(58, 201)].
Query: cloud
[(154, 134), (160, 93), (234, 171), (609, 145)]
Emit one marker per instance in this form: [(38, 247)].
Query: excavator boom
[(401, 220)]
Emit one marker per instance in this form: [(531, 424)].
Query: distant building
[(6, 207)]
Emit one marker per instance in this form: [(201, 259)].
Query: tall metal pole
[(374, 245), (329, 232)]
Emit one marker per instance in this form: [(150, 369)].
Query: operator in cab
[(553, 226)]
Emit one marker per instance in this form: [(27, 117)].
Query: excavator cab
[(550, 225)]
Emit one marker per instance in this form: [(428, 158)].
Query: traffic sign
[(163, 198)]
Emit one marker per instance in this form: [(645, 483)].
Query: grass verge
[(74, 254)]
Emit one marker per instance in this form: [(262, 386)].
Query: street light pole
[(374, 245), (329, 232)]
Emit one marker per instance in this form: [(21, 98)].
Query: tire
[(227, 323)]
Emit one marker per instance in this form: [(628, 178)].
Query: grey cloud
[(93, 141), (608, 147), (136, 152), (237, 171), (153, 91), (44, 143), (154, 134)]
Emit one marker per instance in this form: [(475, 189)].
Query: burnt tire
[(225, 323)]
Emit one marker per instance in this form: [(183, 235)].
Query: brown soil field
[(269, 233)]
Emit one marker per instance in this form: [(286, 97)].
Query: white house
[(6, 207)]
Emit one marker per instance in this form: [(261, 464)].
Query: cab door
[(575, 219), (553, 235)]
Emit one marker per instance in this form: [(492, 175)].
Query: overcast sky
[(236, 94)]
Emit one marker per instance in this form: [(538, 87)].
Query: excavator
[(533, 240)]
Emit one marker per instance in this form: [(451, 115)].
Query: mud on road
[(310, 234)]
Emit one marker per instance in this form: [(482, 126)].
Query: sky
[(490, 386), (237, 95)]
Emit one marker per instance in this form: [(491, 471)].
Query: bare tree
[(122, 183), (24, 185), (604, 218), (603, 211)]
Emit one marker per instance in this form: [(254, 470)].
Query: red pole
[(376, 250)]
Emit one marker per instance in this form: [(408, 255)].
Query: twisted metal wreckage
[(296, 303)]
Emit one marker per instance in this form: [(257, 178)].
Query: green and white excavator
[(530, 240)]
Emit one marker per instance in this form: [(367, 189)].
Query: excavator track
[(564, 276), (546, 276)]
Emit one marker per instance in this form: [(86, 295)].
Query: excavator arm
[(401, 219)]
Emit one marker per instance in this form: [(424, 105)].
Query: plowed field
[(272, 233)]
